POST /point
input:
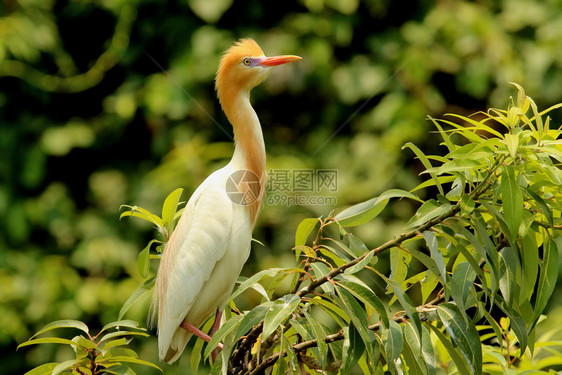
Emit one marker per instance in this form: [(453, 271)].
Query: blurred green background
[(104, 103)]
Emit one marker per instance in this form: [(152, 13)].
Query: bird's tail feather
[(177, 345)]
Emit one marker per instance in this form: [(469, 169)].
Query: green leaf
[(307, 250), (339, 316), (352, 349), (459, 362), (141, 213), (530, 264), (251, 318), (138, 294), (170, 207), (84, 342), (429, 210), (272, 272), (367, 296), (123, 333), (319, 270), (477, 125), (421, 347), (304, 230), (320, 337), (508, 270), (122, 324), (431, 182), (44, 369), (405, 302), (546, 211), (361, 265), (512, 200), (446, 138), (519, 328), (431, 241), (393, 342), (64, 366), (63, 324), (364, 212), (229, 326), (538, 119), (430, 263), (547, 277), (356, 314), (462, 282), (463, 334), (47, 340), (131, 360), (278, 312), (114, 343), (426, 163), (399, 263), (512, 142), (143, 261), (428, 284), (467, 205)]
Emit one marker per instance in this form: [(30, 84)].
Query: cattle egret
[(211, 242)]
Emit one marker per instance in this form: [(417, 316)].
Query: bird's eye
[(247, 61)]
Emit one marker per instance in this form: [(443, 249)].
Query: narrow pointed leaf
[(548, 276), (405, 302), (431, 241), (530, 263), (368, 297), (393, 341), (304, 229), (63, 324), (64, 366), (353, 348), (170, 207), (251, 318), (462, 282), (429, 210), (123, 333), (459, 362), (364, 212), (229, 326), (44, 369), (426, 163), (134, 360), (463, 334), (278, 312), (319, 336), (361, 265), (122, 324), (508, 270), (512, 200), (143, 290), (47, 340), (356, 314)]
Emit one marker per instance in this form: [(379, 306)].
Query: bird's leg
[(214, 329), (197, 332)]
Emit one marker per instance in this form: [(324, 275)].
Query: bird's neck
[(249, 146)]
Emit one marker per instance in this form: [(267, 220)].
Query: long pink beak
[(278, 60)]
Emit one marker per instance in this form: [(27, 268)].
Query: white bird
[(211, 242)]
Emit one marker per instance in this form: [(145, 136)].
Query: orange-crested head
[(243, 67)]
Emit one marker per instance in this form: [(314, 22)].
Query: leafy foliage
[(481, 256), (98, 354), (91, 120)]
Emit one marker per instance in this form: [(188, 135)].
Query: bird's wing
[(198, 242)]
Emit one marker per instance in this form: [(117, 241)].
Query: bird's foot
[(197, 332)]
